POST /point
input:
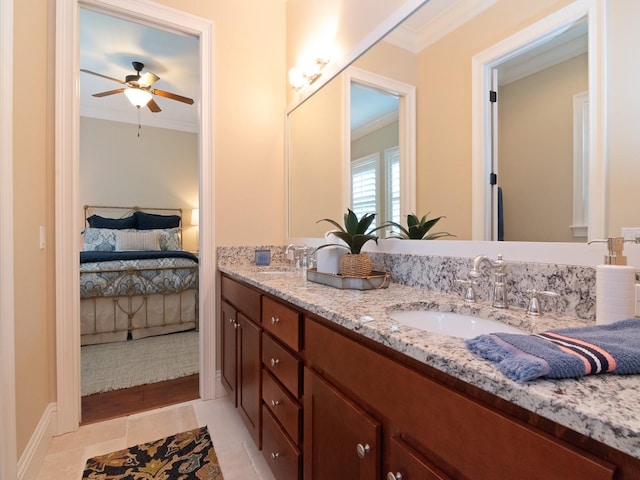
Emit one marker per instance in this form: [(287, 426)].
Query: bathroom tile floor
[(237, 454)]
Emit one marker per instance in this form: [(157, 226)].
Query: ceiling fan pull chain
[(139, 126)]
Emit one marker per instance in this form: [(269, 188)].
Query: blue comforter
[(86, 257)]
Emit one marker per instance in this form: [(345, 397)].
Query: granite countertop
[(603, 407)]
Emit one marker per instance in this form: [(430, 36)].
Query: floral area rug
[(184, 456)]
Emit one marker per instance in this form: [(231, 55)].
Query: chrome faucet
[(499, 299), (301, 255)]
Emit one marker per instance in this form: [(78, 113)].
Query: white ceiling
[(109, 44)]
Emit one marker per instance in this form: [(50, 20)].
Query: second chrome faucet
[(497, 266)]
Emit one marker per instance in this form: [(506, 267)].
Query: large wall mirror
[(533, 151)]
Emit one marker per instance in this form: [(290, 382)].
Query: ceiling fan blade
[(148, 79), (101, 75), (172, 96), (110, 92), (153, 106)]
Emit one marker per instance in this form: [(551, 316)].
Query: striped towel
[(564, 353)]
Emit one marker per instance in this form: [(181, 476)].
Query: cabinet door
[(403, 462), (340, 439), (229, 350), (249, 376)]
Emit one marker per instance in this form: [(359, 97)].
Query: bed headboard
[(122, 212)]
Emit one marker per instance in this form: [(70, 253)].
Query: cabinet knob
[(274, 320), (274, 455), (274, 362), (394, 476), (363, 450), (275, 403), (236, 325), (230, 320)]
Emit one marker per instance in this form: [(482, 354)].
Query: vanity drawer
[(285, 366), (242, 297), (283, 457), (282, 321), (282, 405)]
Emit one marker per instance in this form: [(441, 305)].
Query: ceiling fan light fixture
[(138, 98)]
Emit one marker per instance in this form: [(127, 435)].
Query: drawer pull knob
[(275, 403), (236, 325), (363, 450), (274, 455), (274, 320), (274, 362), (231, 320), (394, 476)]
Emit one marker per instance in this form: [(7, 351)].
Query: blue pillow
[(96, 221), (152, 221)]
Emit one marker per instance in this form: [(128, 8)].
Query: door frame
[(67, 207), (481, 66), (406, 94)]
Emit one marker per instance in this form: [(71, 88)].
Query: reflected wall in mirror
[(440, 67)]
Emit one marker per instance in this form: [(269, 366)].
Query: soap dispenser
[(615, 285)]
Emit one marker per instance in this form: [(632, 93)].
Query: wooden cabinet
[(282, 388), (322, 402), (241, 367), (450, 433), (249, 376), (228, 369), (340, 439)]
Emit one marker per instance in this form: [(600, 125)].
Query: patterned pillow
[(99, 239), (140, 241), (169, 239)]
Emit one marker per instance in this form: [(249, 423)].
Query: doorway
[(144, 156), (68, 220), (484, 197)]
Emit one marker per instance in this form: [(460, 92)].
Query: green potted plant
[(355, 233), (417, 229)]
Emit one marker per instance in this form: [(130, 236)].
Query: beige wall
[(249, 102), (315, 189), (158, 169), (34, 207), (535, 158), (339, 24)]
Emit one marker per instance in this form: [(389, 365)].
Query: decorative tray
[(370, 282)]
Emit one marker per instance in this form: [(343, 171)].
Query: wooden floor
[(120, 403)]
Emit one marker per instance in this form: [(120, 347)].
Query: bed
[(136, 280)]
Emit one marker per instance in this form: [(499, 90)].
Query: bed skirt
[(115, 319)]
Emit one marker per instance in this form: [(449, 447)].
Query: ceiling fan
[(138, 89)]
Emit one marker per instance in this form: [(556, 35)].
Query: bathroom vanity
[(343, 391)]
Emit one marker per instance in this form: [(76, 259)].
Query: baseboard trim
[(31, 460)]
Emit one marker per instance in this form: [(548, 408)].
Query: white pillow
[(146, 240)]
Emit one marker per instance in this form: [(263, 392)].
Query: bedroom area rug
[(113, 366), (185, 456)]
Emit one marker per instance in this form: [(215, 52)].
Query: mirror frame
[(482, 65)]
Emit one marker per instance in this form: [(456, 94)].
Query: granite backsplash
[(574, 284)]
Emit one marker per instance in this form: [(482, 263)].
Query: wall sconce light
[(306, 75), (138, 97)]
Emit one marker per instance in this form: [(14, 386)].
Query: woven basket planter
[(355, 265)]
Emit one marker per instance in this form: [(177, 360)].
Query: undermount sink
[(453, 324)]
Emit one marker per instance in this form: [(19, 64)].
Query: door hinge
[(493, 178), (493, 96)]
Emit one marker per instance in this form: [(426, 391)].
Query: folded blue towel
[(564, 353)]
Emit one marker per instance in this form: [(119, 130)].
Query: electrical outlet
[(632, 234)]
